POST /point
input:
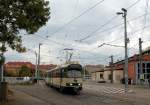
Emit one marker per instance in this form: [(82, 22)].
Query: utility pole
[(112, 68), (2, 61), (36, 67), (126, 41), (2, 67), (36, 63), (38, 70), (140, 61)]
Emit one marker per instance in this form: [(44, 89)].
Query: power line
[(73, 57), (134, 4), (89, 9), (131, 33), (115, 26), (111, 41), (95, 59), (146, 10), (58, 43), (140, 29), (88, 36), (98, 28), (61, 44), (75, 7), (80, 16), (80, 50), (121, 36)]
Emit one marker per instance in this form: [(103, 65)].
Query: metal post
[(1, 74), (36, 65), (2, 67), (84, 72), (112, 68), (126, 40), (140, 60), (126, 51), (38, 70)]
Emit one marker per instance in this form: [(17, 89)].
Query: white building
[(105, 75)]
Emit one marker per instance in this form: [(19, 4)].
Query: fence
[(15, 80)]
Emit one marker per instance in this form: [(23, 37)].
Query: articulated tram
[(65, 77)]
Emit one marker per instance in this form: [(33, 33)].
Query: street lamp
[(126, 41)]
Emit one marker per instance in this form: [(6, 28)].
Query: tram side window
[(61, 73), (49, 74), (58, 73), (64, 73), (55, 74)]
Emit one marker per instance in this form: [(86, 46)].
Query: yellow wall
[(106, 76), (118, 75)]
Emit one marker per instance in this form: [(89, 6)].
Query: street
[(40, 94)]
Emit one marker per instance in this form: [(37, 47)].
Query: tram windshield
[(74, 73)]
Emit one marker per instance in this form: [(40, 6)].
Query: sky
[(83, 25)]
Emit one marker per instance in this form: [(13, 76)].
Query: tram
[(65, 77)]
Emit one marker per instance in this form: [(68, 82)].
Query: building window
[(101, 76), (145, 69), (109, 77)]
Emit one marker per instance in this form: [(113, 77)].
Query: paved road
[(106, 89), (48, 96)]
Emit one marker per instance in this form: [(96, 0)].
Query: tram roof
[(62, 66)]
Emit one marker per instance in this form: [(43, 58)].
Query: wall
[(96, 76), (106, 76), (99, 76), (12, 68), (117, 76), (94, 68), (93, 76), (132, 70)]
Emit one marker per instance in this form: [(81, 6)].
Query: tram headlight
[(79, 84), (71, 84)]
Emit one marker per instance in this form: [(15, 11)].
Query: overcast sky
[(73, 20)]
